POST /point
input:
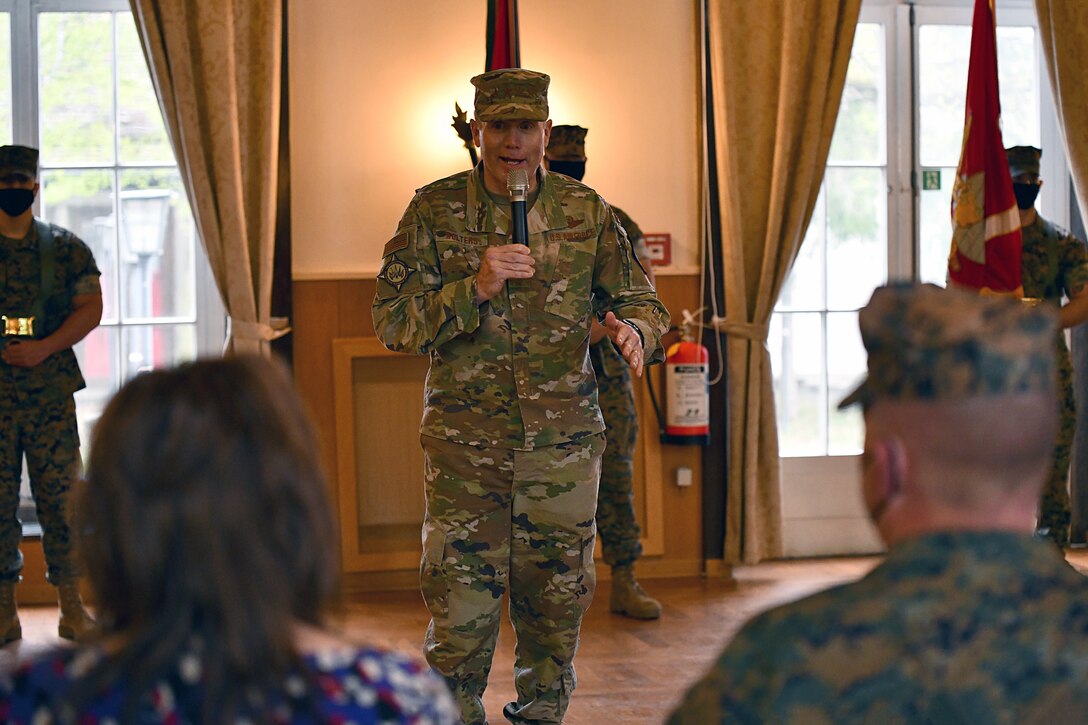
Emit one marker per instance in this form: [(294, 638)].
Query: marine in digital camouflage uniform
[(1054, 266), (511, 432), (617, 525), (49, 276), (969, 618)]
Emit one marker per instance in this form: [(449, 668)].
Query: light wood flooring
[(628, 671)]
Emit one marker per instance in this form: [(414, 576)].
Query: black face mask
[(1025, 194), (14, 202), (573, 169)]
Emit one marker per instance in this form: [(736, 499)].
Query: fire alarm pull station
[(659, 247)]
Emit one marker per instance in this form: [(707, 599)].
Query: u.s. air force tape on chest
[(395, 273)]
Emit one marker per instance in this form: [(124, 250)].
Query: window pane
[(1017, 74), (95, 354), (157, 245), (857, 238), (5, 79), (145, 347), (935, 229), (860, 127), (846, 365), (143, 135), (943, 51), (797, 351), (82, 202), (76, 88), (804, 286), (943, 56)]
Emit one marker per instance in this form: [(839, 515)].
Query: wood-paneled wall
[(330, 309)]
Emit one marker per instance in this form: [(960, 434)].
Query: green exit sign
[(931, 179)]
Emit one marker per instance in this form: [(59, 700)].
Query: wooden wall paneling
[(379, 403)]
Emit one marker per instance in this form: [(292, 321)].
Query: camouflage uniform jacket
[(638, 240), (611, 361), (957, 627), (1054, 263), (514, 371), (75, 274)]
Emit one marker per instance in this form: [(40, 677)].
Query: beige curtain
[(778, 70), (1063, 30), (215, 65)]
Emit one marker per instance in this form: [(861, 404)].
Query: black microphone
[(517, 185)]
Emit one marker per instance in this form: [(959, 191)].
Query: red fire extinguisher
[(687, 395)]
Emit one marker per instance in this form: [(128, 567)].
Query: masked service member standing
[(50, 299), (617, 526), (512, 434), (1055, 267)]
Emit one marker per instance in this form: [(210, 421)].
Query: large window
[(872, 222), (74, 83)]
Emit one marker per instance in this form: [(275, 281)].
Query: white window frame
[(822, 509), (208, 318)]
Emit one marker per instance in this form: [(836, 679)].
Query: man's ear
[(477, 128), (895, 461)]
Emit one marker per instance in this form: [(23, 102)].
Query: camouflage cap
[(19, 160), (568, 143), (511, 94), (930, 343), (1023, 160)]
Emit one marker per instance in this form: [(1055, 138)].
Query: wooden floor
[(628, 671)]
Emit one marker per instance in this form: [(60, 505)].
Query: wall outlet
[(683, 476)]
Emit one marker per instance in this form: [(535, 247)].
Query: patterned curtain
[(1063, 30), (215, 65), (777, 73)]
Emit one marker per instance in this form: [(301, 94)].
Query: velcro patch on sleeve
[(396, 244)]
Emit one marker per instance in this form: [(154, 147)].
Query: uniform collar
[(484, 216)]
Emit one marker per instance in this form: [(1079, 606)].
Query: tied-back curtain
[(778, 71), (1063, 30), (216, 67)]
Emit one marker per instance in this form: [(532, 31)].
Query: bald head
[(977, 461)]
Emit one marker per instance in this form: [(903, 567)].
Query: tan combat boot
[(10, 628), (75, 623), (630, 599)]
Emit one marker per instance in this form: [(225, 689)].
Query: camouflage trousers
[(497, 518), (616, 523), (1054, 511), (46, 434)]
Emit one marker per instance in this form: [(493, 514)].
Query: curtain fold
[(1063, 30), (216, 67), (778, 71)]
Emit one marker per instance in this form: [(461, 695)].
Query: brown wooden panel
[(379, 401), (314, 326)]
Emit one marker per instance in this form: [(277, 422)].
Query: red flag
[(503, 46), (985, 220)]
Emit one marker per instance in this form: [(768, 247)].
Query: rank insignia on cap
[(395, 273)]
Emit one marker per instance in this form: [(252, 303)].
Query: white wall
[(373, 83)]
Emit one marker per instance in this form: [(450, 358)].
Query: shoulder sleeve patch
[(396, 244)]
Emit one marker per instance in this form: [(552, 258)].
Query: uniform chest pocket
[(459, 256), (568, 295)]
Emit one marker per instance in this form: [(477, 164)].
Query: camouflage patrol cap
[(511, 94), (18, 160), (1023, 160), (568, 143), (930, 343)]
